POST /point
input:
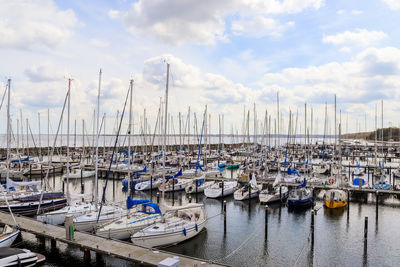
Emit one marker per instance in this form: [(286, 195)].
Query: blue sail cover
[(133, 202), (140, 171), (175, 175), (126, 152), (159, 155), (303, 184), (18, 160)]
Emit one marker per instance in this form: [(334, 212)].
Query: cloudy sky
[(228, 54)]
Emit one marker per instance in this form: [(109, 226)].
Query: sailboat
[(8, 236), (220, 189), (198, 185), (177, 225), (135, 220), (249, 190), (274, 194), (19, 257), (300, 196), (335, 198), (383, 184)]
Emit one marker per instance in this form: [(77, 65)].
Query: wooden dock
[(88, 242)]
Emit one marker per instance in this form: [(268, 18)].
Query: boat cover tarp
[(46, 196), (303, 184), (356, 181), (133, 202), (13, 183), (175, 175)]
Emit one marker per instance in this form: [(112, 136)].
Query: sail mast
[(165, 129)]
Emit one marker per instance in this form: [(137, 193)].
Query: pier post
[(280, 192), (368, 175), (30, 171), (224, 212), (190, 198), (158, 197), (99, 259), (312, 227), (86, 256), (376, 204), (151, 187), (266, 221), (42, 241), (54, 177), (53, 244), (41, 173), (365, 232)]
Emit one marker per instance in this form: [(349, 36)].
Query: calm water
[(284, 242)]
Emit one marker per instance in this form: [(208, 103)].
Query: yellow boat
[(335, 198)]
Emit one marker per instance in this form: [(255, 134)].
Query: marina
[(199, 133)]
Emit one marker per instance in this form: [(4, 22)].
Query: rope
[(301, 252), (238, 248), (211, 217)]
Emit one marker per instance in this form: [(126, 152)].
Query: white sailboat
[(198, 185), (135, 220), (178, 224), (216, 191), (248, 191)]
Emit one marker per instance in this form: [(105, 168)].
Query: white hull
[(180, 185), (190, 189), (165, 239), (215, 191), (146, 185), (6, 240), (123, 228), (57, 217), (243, 194), (88, 222)]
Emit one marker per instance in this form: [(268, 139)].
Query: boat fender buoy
[(196, 227), (184, 231)]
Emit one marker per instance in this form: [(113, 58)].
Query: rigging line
[(103, 198)]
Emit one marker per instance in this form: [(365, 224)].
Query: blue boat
[(382, 184), (300, 196)]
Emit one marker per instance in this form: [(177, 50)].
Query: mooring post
[(365, 232), (54, 176), (224, 212), (151, 187), (348, 199), (376, 204), (99, 259), (266, 220), (222, 191), (190, 198), (280, 192), (53, 244), (42, 241), (30, 171), (158, 197), (312, 228)]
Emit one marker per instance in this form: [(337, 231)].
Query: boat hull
[(161, 240)]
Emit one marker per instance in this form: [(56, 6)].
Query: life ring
[(331, 180)]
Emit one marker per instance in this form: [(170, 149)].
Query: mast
[(40, 144), (8, 146), (129, 134), (165, 130), (68, 112), (48, 132), (96, 194)]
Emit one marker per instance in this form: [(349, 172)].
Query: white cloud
[(340, 12), (392, 4), (99, 43), (45, 72), (260, 26), (27, 24), (357, 12), (359, 37), (372, 75), (200, 22)]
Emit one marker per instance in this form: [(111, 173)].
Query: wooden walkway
[(107, 247)]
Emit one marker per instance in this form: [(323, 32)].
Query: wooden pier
[(107, 247)]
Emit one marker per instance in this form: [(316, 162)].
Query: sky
[(229, 55)]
